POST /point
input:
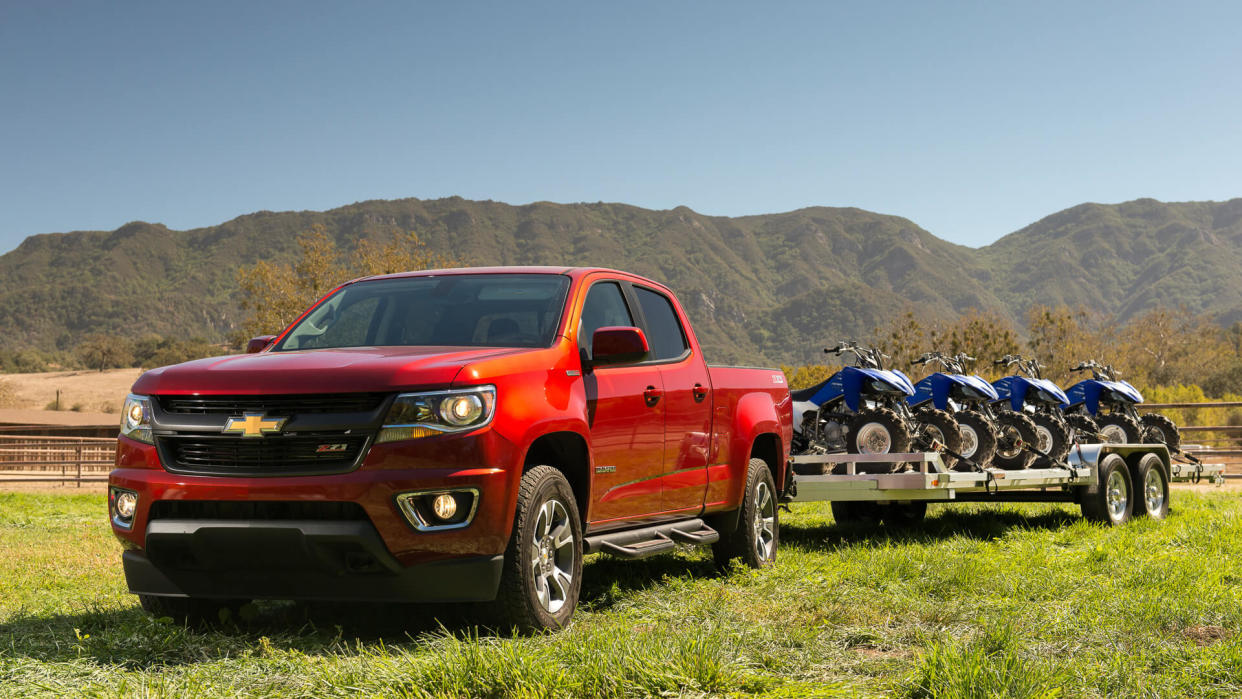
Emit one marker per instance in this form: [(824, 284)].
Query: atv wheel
[(940, 426), (1158, 429), (978, 439), (1016, 431), (877, 431), (1119, 429), (1085, 429), (1053, 436)]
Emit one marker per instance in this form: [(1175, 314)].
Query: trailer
[(1111, 482)]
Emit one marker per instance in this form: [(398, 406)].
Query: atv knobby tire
[(940, 426), (1014, 428), (1159, 429), (877, 431), (1117, 428), (978, 439), (1053, 431), (1086, 431)]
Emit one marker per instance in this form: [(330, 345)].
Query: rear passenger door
[(687, 399)]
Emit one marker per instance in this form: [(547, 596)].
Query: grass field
[(1024, 601)]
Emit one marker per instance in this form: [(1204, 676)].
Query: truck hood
[(347, 370)]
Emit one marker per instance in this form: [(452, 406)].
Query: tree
[(102, 352)]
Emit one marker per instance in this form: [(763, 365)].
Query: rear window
[(469, 310)]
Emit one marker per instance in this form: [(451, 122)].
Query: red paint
[(672, 436)]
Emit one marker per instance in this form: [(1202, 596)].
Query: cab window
[(664, 331), (604, 307)]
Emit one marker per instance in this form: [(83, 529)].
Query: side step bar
[(633, 544)]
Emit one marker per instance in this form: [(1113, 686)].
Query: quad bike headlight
[(136, 418), (417, 415)]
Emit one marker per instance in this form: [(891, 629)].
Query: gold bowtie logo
[(253, 425)]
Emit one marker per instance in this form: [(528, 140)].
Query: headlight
[(136, 418), (415, 415)]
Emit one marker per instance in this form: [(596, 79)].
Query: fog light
[(445, 506), (126, 504)]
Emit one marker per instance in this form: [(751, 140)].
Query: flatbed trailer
[(1112, 482)]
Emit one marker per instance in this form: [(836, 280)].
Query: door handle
[(700, 392), (652, 395)]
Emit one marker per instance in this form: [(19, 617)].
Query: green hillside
[(771, 288)]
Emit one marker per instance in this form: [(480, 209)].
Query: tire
[(1053, 435), (1111, 501), (758, 533), (192, 610), (940, 426), (1159, 429), (1086, 431), (1117, 428), (542, 573), (1014, 426), (1152, 488), (856, 513), (978, 438), (877, 431), (908, 514)]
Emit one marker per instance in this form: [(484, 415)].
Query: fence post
[(79, 454)]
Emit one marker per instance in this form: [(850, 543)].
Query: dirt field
[(94, 391)]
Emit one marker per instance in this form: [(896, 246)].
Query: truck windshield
[(466, 310)]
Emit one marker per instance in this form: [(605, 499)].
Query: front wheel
[(1159, 429), (1085, 429), (758, 531), (542, 573), (939, 426), (1117, 428), (1053, 436), (978, 438), (1016, 431), (877, 431)]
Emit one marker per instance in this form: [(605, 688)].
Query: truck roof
[(575, 272)]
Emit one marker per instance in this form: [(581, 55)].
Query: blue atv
[(860, 409), (965, 401), (1030, 409), (1107, 406)]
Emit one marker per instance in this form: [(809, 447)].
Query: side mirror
[(618, 345), (258, 344)]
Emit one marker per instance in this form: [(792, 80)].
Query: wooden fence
[(44, 459)]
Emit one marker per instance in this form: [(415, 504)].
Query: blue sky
[(971, 119)]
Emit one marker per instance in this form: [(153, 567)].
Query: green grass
[(1023, 601)]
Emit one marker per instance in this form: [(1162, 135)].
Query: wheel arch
[(568, 453)]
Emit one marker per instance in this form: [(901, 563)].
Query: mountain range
[(760, 289)]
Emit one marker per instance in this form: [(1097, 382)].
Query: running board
[(633, 544)]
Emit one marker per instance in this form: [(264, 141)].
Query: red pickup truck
[(460, 435)]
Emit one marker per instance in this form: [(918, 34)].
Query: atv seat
[(804, 394)]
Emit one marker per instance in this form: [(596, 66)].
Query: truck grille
[(257, 510), (273, 405), (293, 454)]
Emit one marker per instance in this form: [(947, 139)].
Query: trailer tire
[(1086, 431), (940, 426), (1152, 486), (545, 506), (978, 439), (907, 514), (1116, 428), (1159, 429), (877, 431), (1053, 431), (758, 533), (1014, 426), (850, 513), (1110, 501)]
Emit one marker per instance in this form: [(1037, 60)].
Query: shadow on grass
[(946, 523)]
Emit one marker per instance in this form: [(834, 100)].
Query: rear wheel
[(1111, 501), (939, 426), (1117, 428), (543, 561), (1085, 429), (758, 530), (1053, 436), (1158, 429), (1016, 431), (978, 438), (1153, 488), (877, 431)]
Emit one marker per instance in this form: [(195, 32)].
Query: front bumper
[(298, 560)]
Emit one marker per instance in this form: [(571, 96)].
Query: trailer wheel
[(758, 532), (940, 426), (1152, 486), (1116, 428), (542, 572), (1016, 430), (852, 513), (1085, 429), (904, 514), (978, 438), (877, 431), (1111, 500), (1053, 436), (1159, 429)]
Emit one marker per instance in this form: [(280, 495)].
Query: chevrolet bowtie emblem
[(253, 425)]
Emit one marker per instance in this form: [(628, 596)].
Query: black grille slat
[(256, 510), (285, 454), (273, 405)]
